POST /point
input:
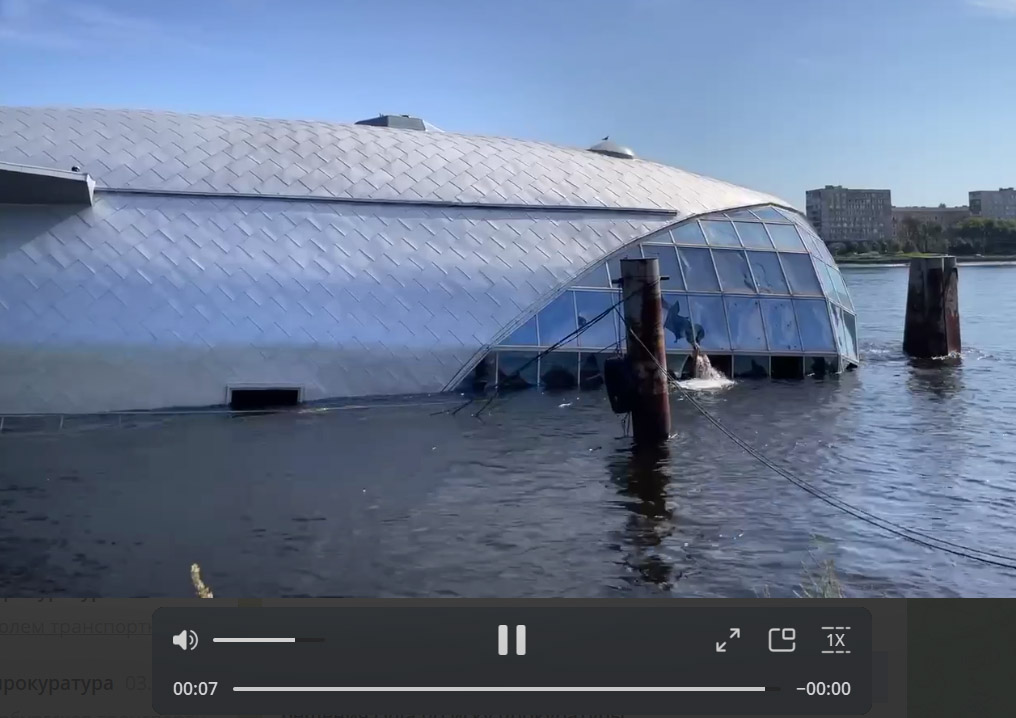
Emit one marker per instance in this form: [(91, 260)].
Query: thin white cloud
[(77, 25), (1003, 8)]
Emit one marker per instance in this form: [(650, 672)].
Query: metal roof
[(171, 152), (209, 274)]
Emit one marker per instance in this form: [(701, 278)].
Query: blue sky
[(780, 95)]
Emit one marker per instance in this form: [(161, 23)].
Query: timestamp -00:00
[(821, 688)]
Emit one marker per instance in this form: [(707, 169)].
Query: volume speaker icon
[(187, 640)]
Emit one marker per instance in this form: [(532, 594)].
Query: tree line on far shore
[(972, 236)]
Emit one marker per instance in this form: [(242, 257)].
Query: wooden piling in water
[(643, 315), (932, 327)]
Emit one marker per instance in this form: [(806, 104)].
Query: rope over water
[(913, 535)]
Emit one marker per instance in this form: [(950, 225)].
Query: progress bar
[(502, 689), (220, 639)]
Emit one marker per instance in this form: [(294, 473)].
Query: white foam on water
[(706, 377), (704, 369), (705, 384)]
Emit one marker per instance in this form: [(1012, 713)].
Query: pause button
[(502, 640)]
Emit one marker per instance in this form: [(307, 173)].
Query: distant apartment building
[(850, 215), (993, 204), (943, 216)]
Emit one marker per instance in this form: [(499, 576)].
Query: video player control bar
[(626, 658)]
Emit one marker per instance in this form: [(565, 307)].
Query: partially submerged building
[(153, 259)]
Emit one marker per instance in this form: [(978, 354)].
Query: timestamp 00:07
[(195, 688)]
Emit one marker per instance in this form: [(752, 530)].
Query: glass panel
[(838, 330), (678, 329), (785, 236), (816, 245), (707, 312), (790, 214), (747, 332), (668, 265), (781, 325), (769, 214), (614, 264), (825, 254), (840, 287), (594, 277), (525, 335), (559, 370), (516, 370), (801, 273), (768, 273), (799, 219), (688, 233), (753, 234), (733, 270), (828, 284), (850, 322), (661, 237), (811, 242), (751, 367), (699, 273), (556, 320), (813, 319), (740, 214), (720, 233), (590, 305), (823, 277), (845, 338)]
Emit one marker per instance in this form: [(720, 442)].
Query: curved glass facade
[(755, 287)]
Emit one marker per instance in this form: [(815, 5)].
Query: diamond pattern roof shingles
[(165, 151)]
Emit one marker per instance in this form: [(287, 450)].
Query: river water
[(543, 497)]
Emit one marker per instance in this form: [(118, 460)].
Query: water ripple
[(544, 496)]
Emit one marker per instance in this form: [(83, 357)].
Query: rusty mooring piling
[(932, 327), (643, 315)]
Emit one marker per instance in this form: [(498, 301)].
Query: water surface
[(543, 497)]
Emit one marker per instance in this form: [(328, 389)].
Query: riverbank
[(905, 258)]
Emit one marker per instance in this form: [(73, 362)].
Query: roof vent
[(612, 149), (400, 122)]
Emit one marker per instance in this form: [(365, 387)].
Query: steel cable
[(912, 535)]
